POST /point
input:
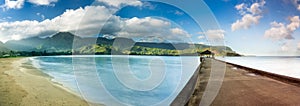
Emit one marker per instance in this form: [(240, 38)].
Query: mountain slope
[(59, 41), (65, 41), (3, 48), (28, 44)]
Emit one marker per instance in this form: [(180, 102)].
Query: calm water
[(288, 66), (121, 80)]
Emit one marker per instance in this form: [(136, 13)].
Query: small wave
[(51, 63), (35, 62)]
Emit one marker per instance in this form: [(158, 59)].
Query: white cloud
[(295, 23), (296, 4), (213, 35), (41, 15), (5, 19), (134, 27), (18, 4), (201, 43), (250, 16), (151, 27), (245, 22), (87, 21), (279, 31), (178, 12), (13, 4), (254, 9), (16, 37), (201, 37), (179, 32), (240, 6), (119, 3), (96, 16), (148, 5), (14, 30), (42, 2)]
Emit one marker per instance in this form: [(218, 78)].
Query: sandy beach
[(242, 87), (23, 85)]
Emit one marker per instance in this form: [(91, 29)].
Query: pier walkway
[(239, 87)]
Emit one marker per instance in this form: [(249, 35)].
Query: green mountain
[(68, 42), (3, 48), (59, 41)]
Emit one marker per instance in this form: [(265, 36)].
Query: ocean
[(121, 80), (284, 65)]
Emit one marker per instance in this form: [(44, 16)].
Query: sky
[(250, 27)]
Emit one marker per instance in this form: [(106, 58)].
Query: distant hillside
[(59, 41), (63, 42), (3, 48)]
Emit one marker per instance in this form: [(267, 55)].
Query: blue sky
[(251, 27), (253, 39)]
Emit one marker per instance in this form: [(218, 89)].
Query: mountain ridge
[(3, 48), (65, 41)]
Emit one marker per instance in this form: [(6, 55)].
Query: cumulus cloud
[(42, 2), (280, 31), (245, 22), (250, 15), (18, 4), (68, 21), (86, 21), (148, 5), (19, 29), (119, 3), (214, 35), (179, 32), (13, 4), (91, 21), (240, 6), (255, 7), (149, 27), (295, 23)]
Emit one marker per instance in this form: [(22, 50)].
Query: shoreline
[(28, 64), (37, 86)]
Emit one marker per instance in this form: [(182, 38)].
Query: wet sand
[(23, 85), (244, 87)]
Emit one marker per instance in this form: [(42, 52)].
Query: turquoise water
[(121, 80), (287, 66)]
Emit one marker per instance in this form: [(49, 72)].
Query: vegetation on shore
[(65, 43)]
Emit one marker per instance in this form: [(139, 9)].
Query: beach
[(23, 85), (246, 87)]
